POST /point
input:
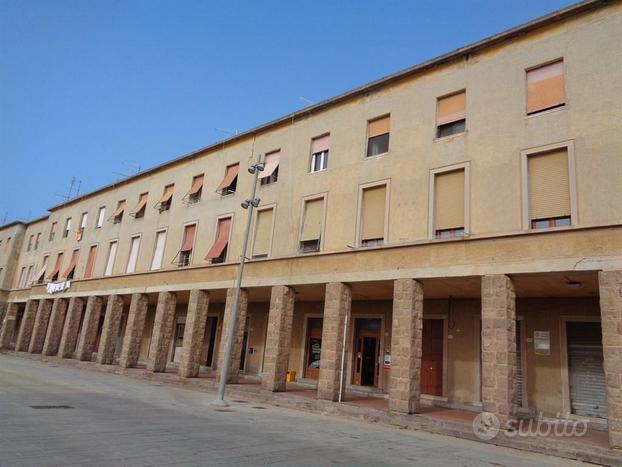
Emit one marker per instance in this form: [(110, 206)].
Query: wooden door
[(366, 357), (432, 357)]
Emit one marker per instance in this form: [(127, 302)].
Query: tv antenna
[(133, 166), (74, 189)]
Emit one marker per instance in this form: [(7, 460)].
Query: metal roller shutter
[(519, 367)]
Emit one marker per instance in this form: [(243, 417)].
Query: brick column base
[(238, 336), (8, 325), (41, 326), (72, 327), (90, 323), (279, 336), (28, 322), (406, 346), (162, 331), (112, 321), (55, 327), (499, 347), (610, 287), (337, 304), (193, 334), (134, 331)]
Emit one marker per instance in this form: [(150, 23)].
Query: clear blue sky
[(87, 87)]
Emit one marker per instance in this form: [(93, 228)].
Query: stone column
[(193, 334), (28, 322), (134, 330), (55, 327), (112, 321), (41, 325), (499, 346), (72, 327), (162, 331), (279, 337), (90, 323), (406, 346), (610, 287), (337, 304), (8, 325), (238, 336)]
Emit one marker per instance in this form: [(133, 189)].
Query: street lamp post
[(249, 204)]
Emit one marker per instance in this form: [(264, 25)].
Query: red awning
[(224, 227)]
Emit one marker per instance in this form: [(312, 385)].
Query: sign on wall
[(542, 342)]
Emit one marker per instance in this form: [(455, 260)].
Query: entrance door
[(179, 341), (367, 352), (244, 345), (586, 375), (207, 352), (313, 348), (432, 357)]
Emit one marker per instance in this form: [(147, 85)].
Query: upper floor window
[(133, 257), (40, 277), (90, 263), (69, 272), (158, 250), (270, 173), (117, 215), (549, 189), (56, 271), (84, 220), (139, 210), (101, 214), (21, 283), (372, 219), (451, 114), (545, 87), (52, 232), (185, 253), (38, 241), (218, 252), (262, 235), (449, 204), (319, 153), (112, 254), (312, 225), (67, 227), (229, 183), (194, 194), (378, 136), (164, 203), (31, 240)]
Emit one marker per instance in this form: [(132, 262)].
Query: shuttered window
[(378, 135), (133, 258), (270, 173), (218, 252), (185, 253), (319, 153), (158, 252), (112, 254), (100, 217), (69, 272), (449, 203), (373, 215), (311, 229), (59, 261), (164, 203), (194, 194), (549, 187), (117, 215), (90, 263), (229, 183), (545, 87), (139, 209), (263, 232), (451, 114)]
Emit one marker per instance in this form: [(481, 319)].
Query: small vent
[(51, 407)]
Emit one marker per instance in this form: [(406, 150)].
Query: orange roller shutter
[(320, 144), (545, 87), (451, 108), (549, 185), (378, 127), (373, 211), (449, 196)]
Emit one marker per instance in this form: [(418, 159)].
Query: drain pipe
[(343, 358)]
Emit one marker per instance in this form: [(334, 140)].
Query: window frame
[(129, 253), (116, 254), (67, 227), (547, 110), (101, 217), (466, 167), (305, 199), (366, 155), (466, 119), (255, 219), (324, 154), (194, 241), (230, 216), (155, 246), (572, 183), (359, 211)]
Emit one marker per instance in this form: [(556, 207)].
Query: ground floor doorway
[(367, 351), (313, 348), (209, 340), (432, 357)]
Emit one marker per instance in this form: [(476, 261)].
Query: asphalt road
[(116, 420)]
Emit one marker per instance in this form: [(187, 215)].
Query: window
[(31, 240), (378, 136), (56, 271), (194, 194), (218, 251), (451, 114), (133, 258), (22, 278), (158, 251), (90, 263), (311, 225), (139, 210), (164, 203), (67, 227), (545, 87), (185, 253), (549, 189), (38, 241), (69, 272), (29, 277), (319, 153), (263, 233), (230, 183), (40, 276), (117, 215), (101, 214), (270, 173), (52, 232), (372, 215), (84, 220), (112, 254), (449, 196)]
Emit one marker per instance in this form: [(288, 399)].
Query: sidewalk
[(593, 447)]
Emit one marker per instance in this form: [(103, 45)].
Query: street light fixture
[(249, 204)]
